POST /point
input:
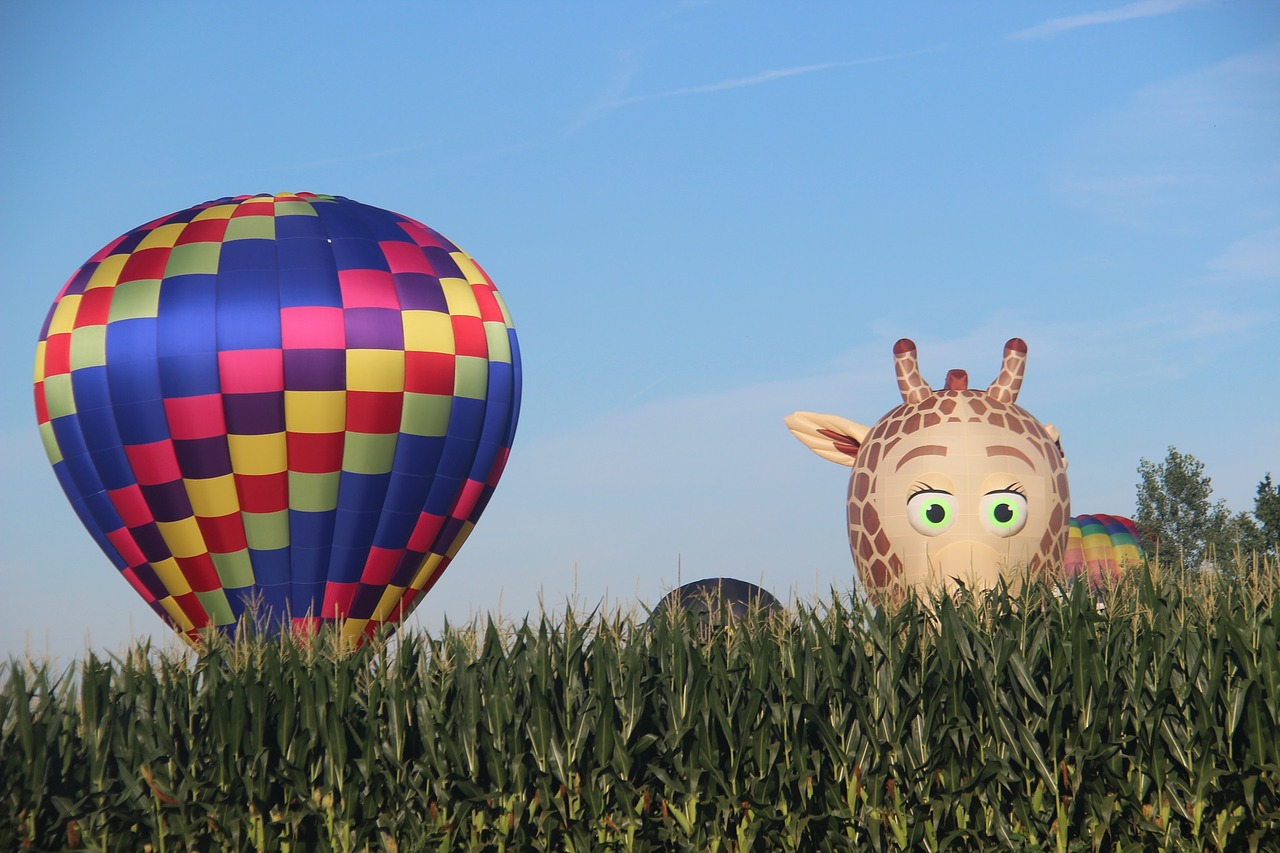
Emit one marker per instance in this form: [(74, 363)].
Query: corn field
[(1143, 716)]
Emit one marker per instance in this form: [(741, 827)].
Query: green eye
[(931, 512), (1003, 513)]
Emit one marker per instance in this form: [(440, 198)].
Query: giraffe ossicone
[(954, 484)]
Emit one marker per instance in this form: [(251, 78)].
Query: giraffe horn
[(1007, 385), (914, 389)]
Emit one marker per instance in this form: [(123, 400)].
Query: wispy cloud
[(615, 97), (1253, 258), (1140, 9)]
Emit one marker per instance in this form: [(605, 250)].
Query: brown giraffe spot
[(912, 424), (977, 405), (870, 519), (947, 406), (932, 419), (861, 485), (877, 570), (882, 543), (997, 419), (1046, 544), (867, 554), (1016, 425), (873, 455), (1056, 517)]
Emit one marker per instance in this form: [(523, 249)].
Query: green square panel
[(368, 453), (471, 377), (193, 258), (88, 346), (251, 228), (426, 414), (135, 299), (266, 531), (234, 569)]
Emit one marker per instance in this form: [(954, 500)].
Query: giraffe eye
[(1003, 513), (931, 512)]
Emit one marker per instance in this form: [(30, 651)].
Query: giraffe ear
[(1057, 441), (831, 437)]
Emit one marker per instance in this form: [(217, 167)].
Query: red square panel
[(223, 534), (57, 355), (368, 289), (155, 463), (145, 264), (374, 411), (380, 566), (469, 337), (428, 372), (199, 572), (203, 231), (263, 492), (405, 257), (337, 600), (131, 505), (95, 307), (195, 417), (251, 371), (312, 327), (315, 452)]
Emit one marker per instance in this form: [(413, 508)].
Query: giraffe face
[(968, 498), (952, 485)]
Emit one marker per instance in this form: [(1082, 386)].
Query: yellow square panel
[(183, 537), (375, 370), (427, 331), (391, 597), (64, 316), (315, 411), (175, 613), (163, 237), (218, 211), (107, 272), (213, 497), (170, 574), (469, 268), (459, 298), (258, 454)]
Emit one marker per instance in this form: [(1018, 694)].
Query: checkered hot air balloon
[(297, 405)]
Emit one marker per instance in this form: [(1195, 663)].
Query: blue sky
[(703, 216)]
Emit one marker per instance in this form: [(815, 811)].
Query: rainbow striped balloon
[(295, 406), (1102, 546)]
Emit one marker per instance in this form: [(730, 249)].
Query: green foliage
[(1142, 716), (1266, 508), (1173, 510)]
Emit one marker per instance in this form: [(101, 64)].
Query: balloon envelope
[(295, 405), (1101, 546), (711, 598)]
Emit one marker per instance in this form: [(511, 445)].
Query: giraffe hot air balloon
[(954, 484), (297, 404)]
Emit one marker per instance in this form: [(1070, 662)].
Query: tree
[(1266, 508), (1174, 512)]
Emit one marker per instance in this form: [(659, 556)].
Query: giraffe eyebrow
[(1005, 450), (922, 450)]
